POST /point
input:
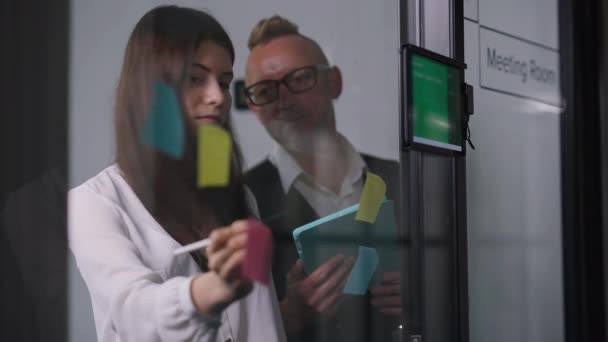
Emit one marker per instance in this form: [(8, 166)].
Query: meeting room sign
[(515, 66)]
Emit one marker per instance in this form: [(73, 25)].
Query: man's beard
[(315, 141)]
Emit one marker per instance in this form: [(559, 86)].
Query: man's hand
[(316, 294), (386, 297)]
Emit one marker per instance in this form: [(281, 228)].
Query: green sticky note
[(214, 155), (371, 198), (164, 126), (362, 272)]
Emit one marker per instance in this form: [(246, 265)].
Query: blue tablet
[(340, 233)]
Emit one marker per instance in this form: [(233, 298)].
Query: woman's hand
[(213, 291)]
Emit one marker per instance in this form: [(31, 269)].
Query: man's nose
[(283, 92)]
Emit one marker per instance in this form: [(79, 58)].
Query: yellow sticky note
[(214, 154), (371, 198)]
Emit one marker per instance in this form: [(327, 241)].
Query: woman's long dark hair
[(161, 48)]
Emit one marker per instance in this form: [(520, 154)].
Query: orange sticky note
[(214, 155), (371, 198)]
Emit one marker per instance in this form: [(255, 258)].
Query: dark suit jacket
[(355, 321)]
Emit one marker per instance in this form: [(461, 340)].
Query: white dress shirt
[(139, 290), (322, 200)]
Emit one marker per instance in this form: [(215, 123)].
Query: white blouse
[(139, 290)]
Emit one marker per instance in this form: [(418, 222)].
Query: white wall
[(513, 177), (361, 37)]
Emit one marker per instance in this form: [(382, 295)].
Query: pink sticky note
[(259, 247)]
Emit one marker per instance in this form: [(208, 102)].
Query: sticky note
[(362, 272), (371, 198), (164, 125), (259, 245), (214, 155)]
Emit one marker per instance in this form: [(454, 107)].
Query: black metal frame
[(34, 140), (460, 202), (411, 189), (581, 137), (603, 87)]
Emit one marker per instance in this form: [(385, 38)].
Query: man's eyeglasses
[(296, 81)]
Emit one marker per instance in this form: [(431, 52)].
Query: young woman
[(125, 223)]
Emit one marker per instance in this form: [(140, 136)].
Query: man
[(312, 172)]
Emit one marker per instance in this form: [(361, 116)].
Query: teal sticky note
[(164, 126), (362, 272)]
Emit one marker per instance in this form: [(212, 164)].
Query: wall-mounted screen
[(434, 108)]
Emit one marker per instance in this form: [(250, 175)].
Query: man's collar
[(286, 165), (357, 165), (289, 169)]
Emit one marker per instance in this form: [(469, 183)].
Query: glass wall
[(315, 133), (296, 178)]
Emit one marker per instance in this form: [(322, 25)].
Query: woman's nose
[(214, 94)]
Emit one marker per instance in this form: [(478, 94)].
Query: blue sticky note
[(164, 126), (362, 272)]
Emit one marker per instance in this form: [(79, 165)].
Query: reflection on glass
[(33, 149), (369, 114), (339, 279), (34, 236)]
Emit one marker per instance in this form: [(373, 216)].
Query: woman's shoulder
[(107, 185)]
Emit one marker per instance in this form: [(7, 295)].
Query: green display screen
[(436, 104)]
